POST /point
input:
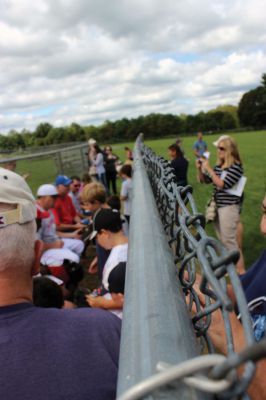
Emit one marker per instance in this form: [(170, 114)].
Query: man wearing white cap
[(58, 246), (46, 353)]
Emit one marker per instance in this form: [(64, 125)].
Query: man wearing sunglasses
[(74, 193)]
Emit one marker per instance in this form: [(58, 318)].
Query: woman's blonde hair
[(231, 155)]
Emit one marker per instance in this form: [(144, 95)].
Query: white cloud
[(86, 61)]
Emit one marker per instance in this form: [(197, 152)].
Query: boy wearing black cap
[(107, 228)]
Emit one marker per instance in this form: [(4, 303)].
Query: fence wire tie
[(218, 373), (252, 353), (184, 372)]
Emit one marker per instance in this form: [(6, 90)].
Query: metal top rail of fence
[(160, 347), (68, 160), (42, 153)]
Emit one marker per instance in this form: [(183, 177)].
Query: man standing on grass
[(199, 147), (45, 353)]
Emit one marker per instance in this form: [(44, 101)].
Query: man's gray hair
[(17, 246)]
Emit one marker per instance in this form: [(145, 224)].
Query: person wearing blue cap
[(66, 217)]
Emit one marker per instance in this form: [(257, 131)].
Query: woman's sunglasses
[(221, 148)]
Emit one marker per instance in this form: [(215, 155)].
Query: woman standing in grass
[(179, 164), (99, 164), (225, 176), (110, 168), (126, 190)]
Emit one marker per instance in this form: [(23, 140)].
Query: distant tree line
[(251, 113), (152, 125), (252, 107)]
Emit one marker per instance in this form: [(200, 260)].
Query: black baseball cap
[(108, 219)]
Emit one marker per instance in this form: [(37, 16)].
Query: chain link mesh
[(196, 252)]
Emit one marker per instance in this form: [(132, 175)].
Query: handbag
[(92, 170), (211, 210)]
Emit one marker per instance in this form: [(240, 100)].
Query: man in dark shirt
[(45, 353)]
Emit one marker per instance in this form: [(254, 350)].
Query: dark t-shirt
[(102, 256), (110, 164), (58, 354), (254, 285), (180, 166)]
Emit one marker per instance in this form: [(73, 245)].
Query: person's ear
[(105, 232), (38, 249)]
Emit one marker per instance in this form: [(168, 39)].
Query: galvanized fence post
[(156, 324)]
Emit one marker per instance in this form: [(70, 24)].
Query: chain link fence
[(197, 260), (43, 165)]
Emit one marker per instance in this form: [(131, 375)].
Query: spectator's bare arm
[(102, 302), (257, 387), (93, 267)]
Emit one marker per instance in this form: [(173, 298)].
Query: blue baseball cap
[(62, 180)]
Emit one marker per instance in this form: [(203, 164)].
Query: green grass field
[(252, 147)]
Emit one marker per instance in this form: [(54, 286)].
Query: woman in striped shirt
[(224, 176)]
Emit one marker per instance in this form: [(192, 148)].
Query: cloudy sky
[(86, 61)]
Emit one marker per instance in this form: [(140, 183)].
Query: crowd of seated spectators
[(68, 217)]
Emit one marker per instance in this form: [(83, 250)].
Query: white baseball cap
[(91, 141), (14, 190), (221, 138), (47, 190)]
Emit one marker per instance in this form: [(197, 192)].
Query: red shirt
[(65, 210)]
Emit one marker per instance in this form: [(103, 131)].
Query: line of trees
[(252, 107), (152, 125)]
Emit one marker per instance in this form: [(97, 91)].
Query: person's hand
[(198, 164), (217, 329), (95, 302), (205, 164), (79, 225), (77, 234)]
